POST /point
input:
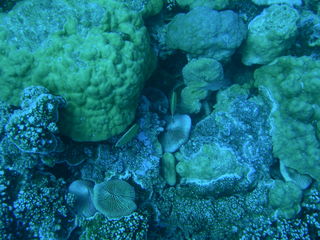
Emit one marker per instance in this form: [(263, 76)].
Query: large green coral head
[(270, 34), (292, 86), (96, 55), (204, 32)]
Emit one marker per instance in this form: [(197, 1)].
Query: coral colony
[(159, 119)]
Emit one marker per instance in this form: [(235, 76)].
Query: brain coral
[(96, 55)]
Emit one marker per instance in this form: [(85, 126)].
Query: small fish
[(173, 102), (174, 98), (128, 136)]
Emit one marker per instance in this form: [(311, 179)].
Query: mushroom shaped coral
[(83, 193), (114, 198), (177, 133)]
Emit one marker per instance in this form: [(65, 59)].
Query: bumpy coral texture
[(200, 76), (203, 32), (270, 35), (96, 55), (292, 86)]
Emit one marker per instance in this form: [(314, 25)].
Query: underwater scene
[(159, 119)]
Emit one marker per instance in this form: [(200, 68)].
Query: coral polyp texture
[(96, 55), (33, 128)]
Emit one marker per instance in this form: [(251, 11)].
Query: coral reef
[(207, 218), (214, 4), (221, 142), (140, 158), (229, 149), (307, 226)]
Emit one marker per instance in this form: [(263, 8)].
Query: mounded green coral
[(200, 76), (292, 86), (152, 7), (97, 56), (285, 198), (270, 34), (204, 32)]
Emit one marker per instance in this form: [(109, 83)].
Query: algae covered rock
[(204, 32), (270, 34), (291, 85), (96, 55)]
